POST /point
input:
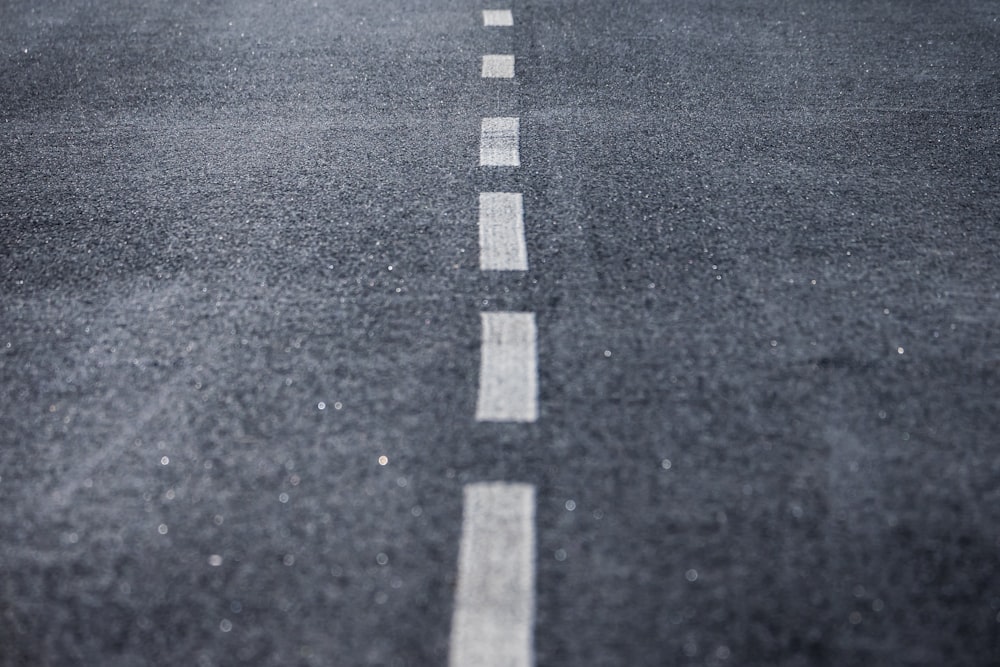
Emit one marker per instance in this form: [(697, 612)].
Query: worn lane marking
[(508, 372), (493, 619), (501, 232), (498, 17), (498, 67), (499, 142)]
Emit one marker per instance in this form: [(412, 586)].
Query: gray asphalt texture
[(763, 240)]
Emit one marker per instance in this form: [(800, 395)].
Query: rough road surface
[(671, 340)]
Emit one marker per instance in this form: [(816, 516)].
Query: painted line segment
[(508, 373), (493, 618), (501, 232), (499, 142), (496, 66), (498, 17)]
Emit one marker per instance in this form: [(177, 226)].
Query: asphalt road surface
[(672, 340)]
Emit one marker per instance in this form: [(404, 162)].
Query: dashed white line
[(501, 232), (499, 142), (497, 66), (508, 373), (498, 17), (493, 619)]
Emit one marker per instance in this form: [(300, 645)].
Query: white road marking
[(499, 142), (494, 616), (498, 17), (498, 67), (508, 371), (501, 232)]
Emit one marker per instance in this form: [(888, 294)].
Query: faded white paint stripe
[(501, 232), (508, 372), (499, 142), (498, 17), (498, 67), (494, 615)]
